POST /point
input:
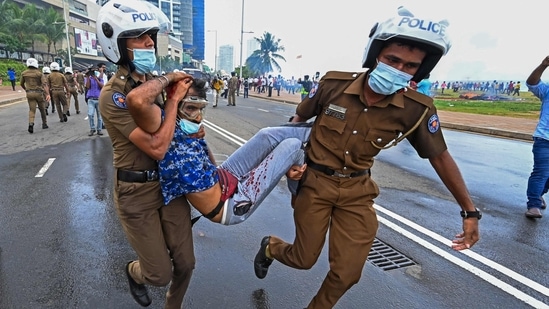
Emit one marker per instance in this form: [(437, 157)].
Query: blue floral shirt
[(186, 167)]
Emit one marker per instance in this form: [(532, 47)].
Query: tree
[(34, 23), (55, 32), (265, 58)]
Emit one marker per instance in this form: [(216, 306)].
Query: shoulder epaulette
[(418, 97), (341, 75)]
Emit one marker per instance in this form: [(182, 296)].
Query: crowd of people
[(58, 88)]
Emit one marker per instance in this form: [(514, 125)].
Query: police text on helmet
[(423, 25), (143, 16)]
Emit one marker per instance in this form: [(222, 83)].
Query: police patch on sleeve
[(119, 100), (312, 92), (434, 124)]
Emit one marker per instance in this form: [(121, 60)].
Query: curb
[(16, 100)]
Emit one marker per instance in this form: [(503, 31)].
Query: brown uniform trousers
[(233, 84), (145, 221), (318, 204)]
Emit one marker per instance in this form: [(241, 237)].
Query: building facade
[(226, 58)]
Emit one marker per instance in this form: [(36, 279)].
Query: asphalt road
[(61, 245)]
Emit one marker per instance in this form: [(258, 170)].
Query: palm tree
[(34, 22), (55, 32), (19, 28), (265, 58)]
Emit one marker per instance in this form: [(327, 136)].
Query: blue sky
[(493, 40)]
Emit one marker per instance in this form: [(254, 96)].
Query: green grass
[(527, 106)]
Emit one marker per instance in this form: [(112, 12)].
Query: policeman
[(357, 115), (79, 81), (73, 90), (46, 71), (32, 83), (60, 91), (160, 234), (306, 86)]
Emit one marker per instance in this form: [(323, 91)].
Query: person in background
[(160, 234), (246, 88), (73, 90), (538, 182), (232, 85), (217, 85), (424, 86), (60, 91), (32, 82), (80, 81), (358, 115), (12, 77), (47, 95), (94, 84), (306, 86), (516, 89)]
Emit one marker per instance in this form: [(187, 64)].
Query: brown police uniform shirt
[(70, 80), (57, 81), (80, 78), (346, 128), (32, 80), (119, 122)]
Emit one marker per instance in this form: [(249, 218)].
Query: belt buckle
[(340, 175), (151, 175)]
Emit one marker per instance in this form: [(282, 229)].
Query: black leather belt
[(137, 176), (93, 98), (32, 90), (330, 172)]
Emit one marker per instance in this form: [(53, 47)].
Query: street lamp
[(66, 33), (242, 39), (215, 61)]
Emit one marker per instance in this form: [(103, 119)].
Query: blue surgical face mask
[(385, 79), (144, 60), (189, 127)]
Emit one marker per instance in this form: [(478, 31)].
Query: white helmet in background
[(68, 70), (117, 21), (426, 34), (155, 73), (46, 70), (54, 66), (31, 62)]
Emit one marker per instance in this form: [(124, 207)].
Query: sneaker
[(44, 126), (261, 261), (91, 132), (31, 128), (99, 132), (533, 212)]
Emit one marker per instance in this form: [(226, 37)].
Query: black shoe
[(91, 132), (68, 113), (47, 112), (139, 291), (261, 261), (77, 112), (65, 118), (44, 126), (53, 110), (99, 132), (31, 127)]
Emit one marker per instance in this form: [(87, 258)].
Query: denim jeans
[(538, 183), (93, 108), (260, 164)]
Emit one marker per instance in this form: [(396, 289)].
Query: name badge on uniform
[(336, 111)]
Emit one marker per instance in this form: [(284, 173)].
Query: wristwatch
[(471, 214)]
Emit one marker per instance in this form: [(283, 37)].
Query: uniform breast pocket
[(375, 141), (331, 129)]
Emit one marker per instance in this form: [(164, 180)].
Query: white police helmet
[(117, 21), (427, 34), (54, 66), (46, 70), (31, 62), (68, 70)]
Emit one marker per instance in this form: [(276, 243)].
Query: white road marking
[(45, 168)]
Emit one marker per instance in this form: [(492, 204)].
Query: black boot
[(31, 127)]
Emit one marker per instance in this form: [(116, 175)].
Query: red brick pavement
[(493, 125)]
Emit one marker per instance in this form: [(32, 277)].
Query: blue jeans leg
[(538, 183), (92, 107)]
